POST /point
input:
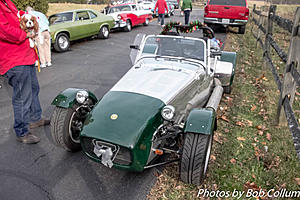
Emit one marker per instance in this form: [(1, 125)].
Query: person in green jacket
[(187, 9)]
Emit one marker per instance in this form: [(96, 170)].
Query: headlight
[(119, 17), (168, 112), (81, 96)]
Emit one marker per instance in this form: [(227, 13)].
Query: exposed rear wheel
[(242, 29), (195, 157), (146, 23), (227, 89)]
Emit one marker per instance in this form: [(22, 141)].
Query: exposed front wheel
[(128, 27), (66, 124), (62, 42), (103, 33), (242, 29), (195, 157)]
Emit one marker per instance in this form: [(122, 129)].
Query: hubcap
[(147, 21), (128, 26), (105, 31), (63, 42)]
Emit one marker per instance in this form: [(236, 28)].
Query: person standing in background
[(162, 7), (44, 39), (17, 65), (187, 9)]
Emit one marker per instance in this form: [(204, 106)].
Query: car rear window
[(228, 2), (60, 17)]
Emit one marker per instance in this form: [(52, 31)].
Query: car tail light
[(247, 12), (205, 10)]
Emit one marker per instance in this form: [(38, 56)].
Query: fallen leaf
[(223, 117), (269, 136), (259, 127), (256, 139), (212, 157), (253, 176), (263, 143), (297, 93), (226, 130), (233, 161), (253, 108), (239, 123), (241, 138), (297, 180), (260, 132), (250, 123)]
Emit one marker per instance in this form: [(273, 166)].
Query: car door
[(135, 19), (94, 22), (82, 22)]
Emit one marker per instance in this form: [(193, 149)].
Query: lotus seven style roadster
[(165, 104)]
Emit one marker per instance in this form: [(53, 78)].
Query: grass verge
[(61, 7), (249, 152)]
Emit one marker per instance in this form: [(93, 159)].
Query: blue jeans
[(186, 16), (25, 99), (161, 19)]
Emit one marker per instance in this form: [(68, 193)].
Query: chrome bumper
[(229, 22), (119, 24)]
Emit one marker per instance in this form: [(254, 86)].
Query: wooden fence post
[(260, 20), (269, 31), (289, 85)]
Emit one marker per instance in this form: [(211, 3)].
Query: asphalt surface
[(44, 171)]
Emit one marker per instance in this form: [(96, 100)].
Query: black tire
[(60, 129), (62, 42), (103, 32), (227, 89), (242, 29), (168, 14), (195, 157), (147, 21), (128, 26)]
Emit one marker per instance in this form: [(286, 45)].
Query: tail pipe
[(216, 95)]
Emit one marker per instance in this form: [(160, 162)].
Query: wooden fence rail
[(291, 80)]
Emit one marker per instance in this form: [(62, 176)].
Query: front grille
[(122, 156)]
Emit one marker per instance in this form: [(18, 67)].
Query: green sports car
[(164, 105), (76, 24)]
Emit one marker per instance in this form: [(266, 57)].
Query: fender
[(67, 98), (201, 121), (61, 31), (106, 24), (227, 56)]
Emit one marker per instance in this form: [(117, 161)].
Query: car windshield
[(119, 9), (228, 2), (60, 17), (175, 46), (168, 63)]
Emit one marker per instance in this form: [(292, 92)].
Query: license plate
[(226, 21)]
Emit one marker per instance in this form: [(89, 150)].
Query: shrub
[(38, 5)]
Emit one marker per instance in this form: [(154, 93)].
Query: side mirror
[(134, 46)]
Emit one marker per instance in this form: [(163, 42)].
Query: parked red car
[(128, 15), (228, 13)]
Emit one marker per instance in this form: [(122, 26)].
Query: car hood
[(122, 118), (159, 83)]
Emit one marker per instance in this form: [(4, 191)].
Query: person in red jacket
[(17, 65), (162, 6)]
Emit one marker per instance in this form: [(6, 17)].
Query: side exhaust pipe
[(216, 95)]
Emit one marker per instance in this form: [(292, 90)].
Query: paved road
[(44, 171)]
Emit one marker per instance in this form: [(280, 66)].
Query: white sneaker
[(49, 64), (43, 65)]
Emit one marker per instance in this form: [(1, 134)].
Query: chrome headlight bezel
[(81, 96), (168, 112)]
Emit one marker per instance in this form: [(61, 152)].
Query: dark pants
[(186, 16), (161, 19), (25, 99)]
